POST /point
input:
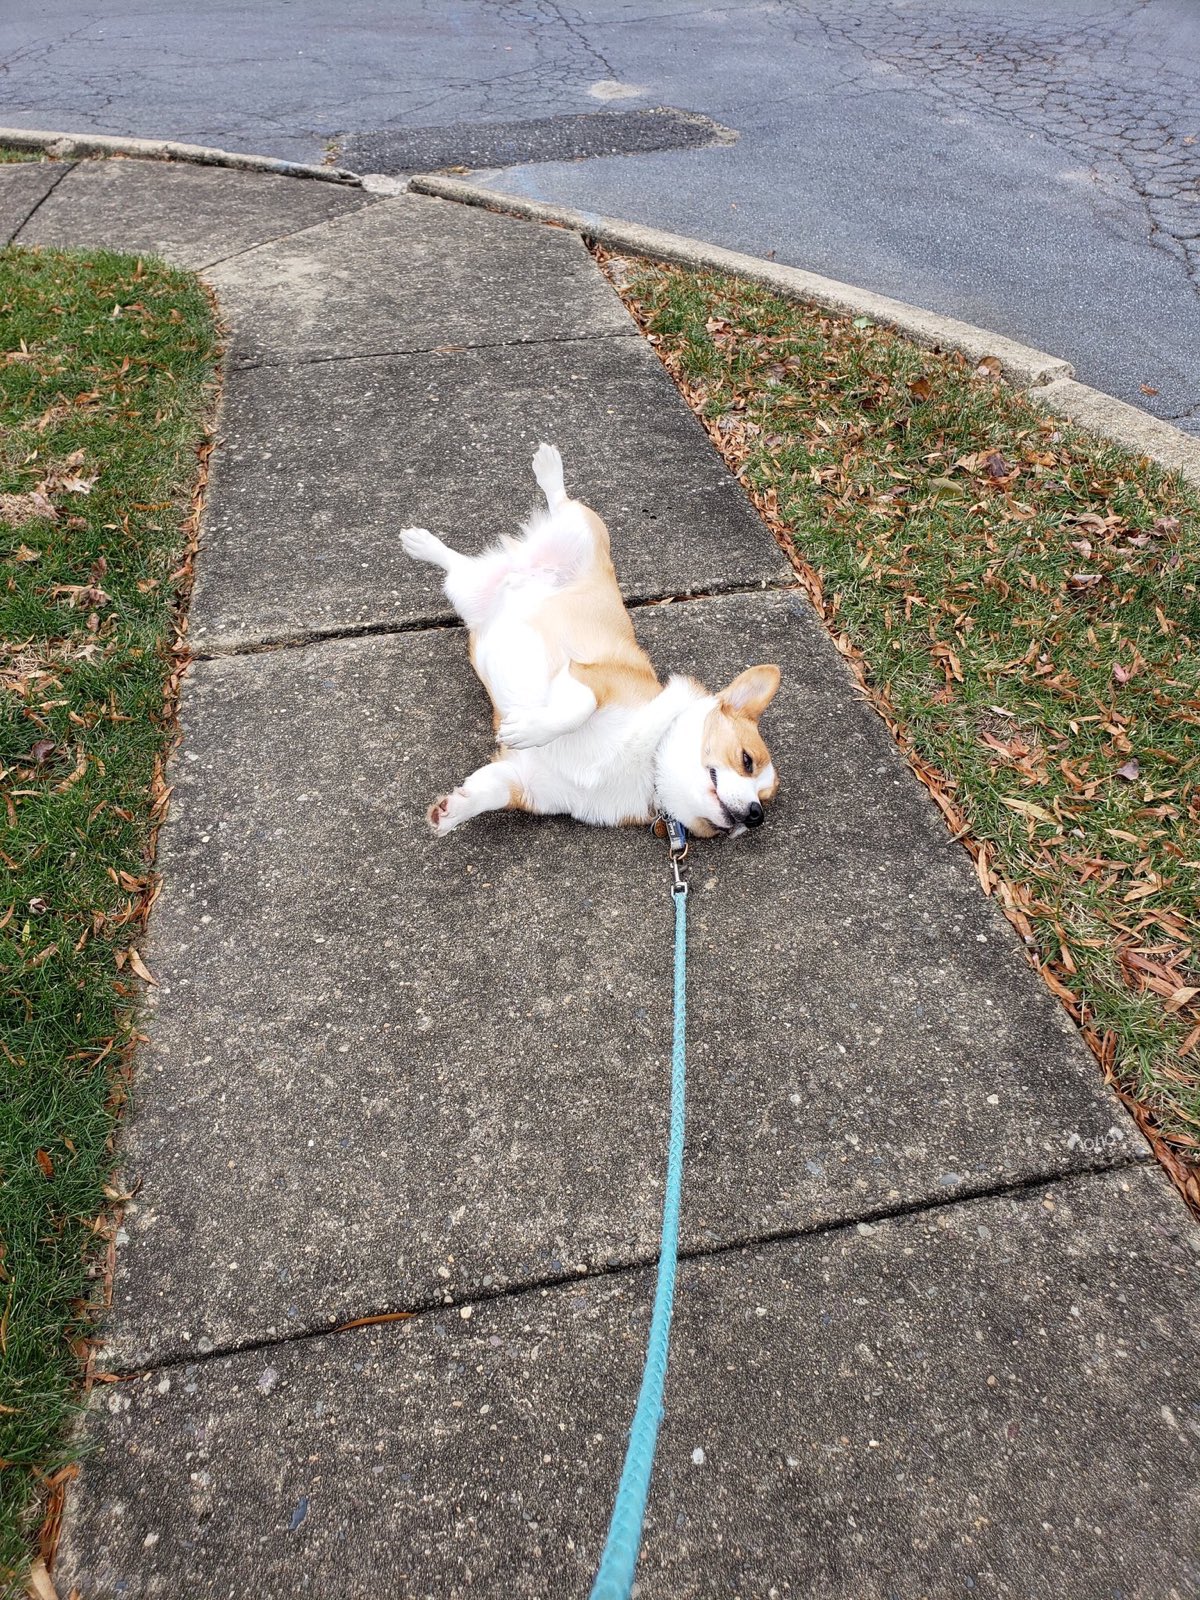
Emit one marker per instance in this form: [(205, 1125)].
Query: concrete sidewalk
[(928, 1342)]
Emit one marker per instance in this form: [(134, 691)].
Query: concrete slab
[(389, 1069), (412, 273), (189, 215), (995, 1398), (326, 461), (23, 185)]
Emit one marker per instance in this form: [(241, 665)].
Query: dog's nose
[(754, 816)]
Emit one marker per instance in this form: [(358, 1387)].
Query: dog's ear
[(751, 692)]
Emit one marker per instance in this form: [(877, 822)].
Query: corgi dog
[(583, 725)]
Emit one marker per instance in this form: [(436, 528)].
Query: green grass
[(8, 154), (1021, 600), (106, 379)]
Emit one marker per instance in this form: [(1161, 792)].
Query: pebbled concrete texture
[(387, 1068), (412, 274), (190, 215), (24, 185), (1031, 169), (330, 459), (991, 1398)]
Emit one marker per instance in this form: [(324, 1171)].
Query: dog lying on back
[(583, 724)]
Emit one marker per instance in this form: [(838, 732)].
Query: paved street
[(1031, 168)]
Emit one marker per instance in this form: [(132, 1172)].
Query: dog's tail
[(548, 470)]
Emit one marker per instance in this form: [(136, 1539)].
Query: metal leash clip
[(676, 836)]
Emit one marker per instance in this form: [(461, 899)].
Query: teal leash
[(614, 1580)]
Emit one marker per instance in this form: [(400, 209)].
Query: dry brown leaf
[(1181, 998), (982, 873), (1028, 809), (39, 1584), (369, 1322), (140, 967), (17, 509)]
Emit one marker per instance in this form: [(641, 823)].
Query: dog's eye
[(747, 761)]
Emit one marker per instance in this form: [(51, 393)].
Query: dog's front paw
[(523, 730), (441, 816)]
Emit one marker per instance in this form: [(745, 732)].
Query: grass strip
[(1020, 600), (107, 376)]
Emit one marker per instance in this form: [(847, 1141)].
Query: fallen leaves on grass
[(102, 468), (1020, 604)]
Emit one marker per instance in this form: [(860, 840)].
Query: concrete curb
[(69, 146), (1048, 380)]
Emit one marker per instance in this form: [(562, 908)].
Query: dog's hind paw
[(422, 545), (548, 470)]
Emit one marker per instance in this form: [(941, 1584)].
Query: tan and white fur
[(584, 726)]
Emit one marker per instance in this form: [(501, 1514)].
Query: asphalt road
[(1034, 168)]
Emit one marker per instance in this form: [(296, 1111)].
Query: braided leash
[(614, 1580)]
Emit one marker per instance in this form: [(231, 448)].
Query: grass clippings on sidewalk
[(107, 376), (1020, 601)]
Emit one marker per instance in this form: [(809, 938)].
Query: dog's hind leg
[(422, 545), (548, 470), (495, 787), (470, 582)]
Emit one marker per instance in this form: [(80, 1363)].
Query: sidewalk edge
[(68, 146)]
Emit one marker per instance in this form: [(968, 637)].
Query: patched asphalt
[(574, 137)]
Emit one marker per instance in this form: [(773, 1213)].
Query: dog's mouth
[(731, 826)]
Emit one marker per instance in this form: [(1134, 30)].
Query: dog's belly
[(586, 775), (512, 660)]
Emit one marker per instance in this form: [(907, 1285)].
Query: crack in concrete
[(294, 233), (16, 233), (258, 363), (1029, 1188), (785, 584)]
